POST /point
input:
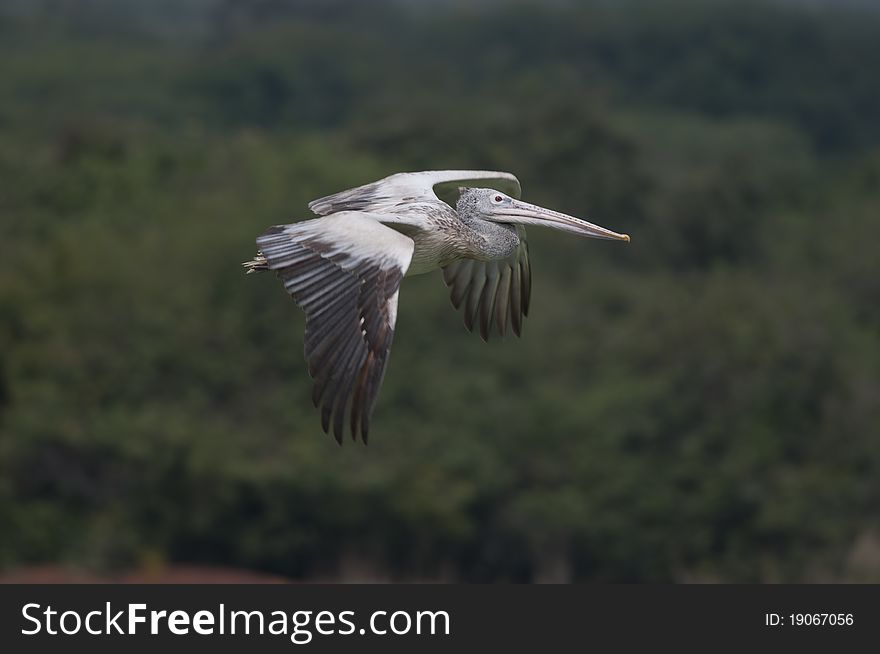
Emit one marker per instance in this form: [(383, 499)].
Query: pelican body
[(344, 270)]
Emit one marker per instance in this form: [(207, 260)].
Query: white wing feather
[(344, 271), (396, 191)]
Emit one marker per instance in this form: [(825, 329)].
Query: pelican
[(344, 270)]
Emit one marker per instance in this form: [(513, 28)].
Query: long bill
[(524, 213)]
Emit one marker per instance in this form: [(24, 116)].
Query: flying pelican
[(344, 270)]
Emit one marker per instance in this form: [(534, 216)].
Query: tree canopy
[(702, 404)]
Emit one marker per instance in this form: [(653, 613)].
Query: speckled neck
[(488, 239)]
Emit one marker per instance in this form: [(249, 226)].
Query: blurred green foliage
[(702, 404)]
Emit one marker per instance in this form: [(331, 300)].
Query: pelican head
[(495, 206)]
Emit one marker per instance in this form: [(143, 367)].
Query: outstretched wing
[(396, 191), (344, 271), (493, 293)]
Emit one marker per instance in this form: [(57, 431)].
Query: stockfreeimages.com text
[(300, 626)]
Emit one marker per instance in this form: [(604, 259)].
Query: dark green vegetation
[(701, 404)]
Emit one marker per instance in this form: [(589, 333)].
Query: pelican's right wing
[(344, 271), (396, 191), (493, 293)]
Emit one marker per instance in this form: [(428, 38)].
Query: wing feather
[(525, 266), (492, 294), (475, 292), (516, 310), (502, 300), (460, 281), (344, 271), (394, 192), (487, 301)]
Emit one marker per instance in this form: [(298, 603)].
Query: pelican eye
[(498, 198)]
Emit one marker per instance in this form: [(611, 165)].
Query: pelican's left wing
[(396, 191), (344, 271), (494, 293)]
